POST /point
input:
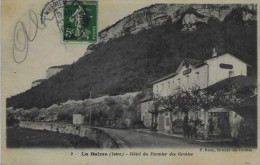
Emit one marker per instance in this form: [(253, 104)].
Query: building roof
[(39, 80), (240, 80), (230, 55), (192, 61), (195, 63), (60, 66), (165, 77)]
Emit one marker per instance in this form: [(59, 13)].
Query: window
[(197, 78), (187, 71), (197, 75), (231, 73), (226, 66), (156, 88)]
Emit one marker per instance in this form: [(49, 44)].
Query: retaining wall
[(101, 138)]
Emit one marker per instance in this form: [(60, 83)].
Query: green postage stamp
[(80, 21)]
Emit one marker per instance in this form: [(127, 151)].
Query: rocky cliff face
[(158, 14)]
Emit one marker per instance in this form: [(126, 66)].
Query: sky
[(47, 49)]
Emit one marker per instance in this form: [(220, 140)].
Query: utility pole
[(90, 107)]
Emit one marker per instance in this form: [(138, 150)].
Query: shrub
[(10, 120), (64, 116), (31, 114)]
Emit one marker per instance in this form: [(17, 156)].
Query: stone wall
[(101, 138)]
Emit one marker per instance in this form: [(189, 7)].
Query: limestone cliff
[(158, 14)]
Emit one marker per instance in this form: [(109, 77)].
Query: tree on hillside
[(155, 111)]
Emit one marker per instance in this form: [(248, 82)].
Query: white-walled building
[(78, 119), (191, 73), (51, 71), (37, 82), (54, 70), (202, 74)]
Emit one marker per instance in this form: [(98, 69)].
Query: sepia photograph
[(80, 74)]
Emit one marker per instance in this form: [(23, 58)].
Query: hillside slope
[(129, 63)]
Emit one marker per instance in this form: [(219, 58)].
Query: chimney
[(214, 53)]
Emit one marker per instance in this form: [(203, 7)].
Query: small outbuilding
[(78, 119)]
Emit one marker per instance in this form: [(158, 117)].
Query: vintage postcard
[(129, 81)]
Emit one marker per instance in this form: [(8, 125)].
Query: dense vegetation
[(132, 62)]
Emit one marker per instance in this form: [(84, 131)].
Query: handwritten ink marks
[(23, 36)]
